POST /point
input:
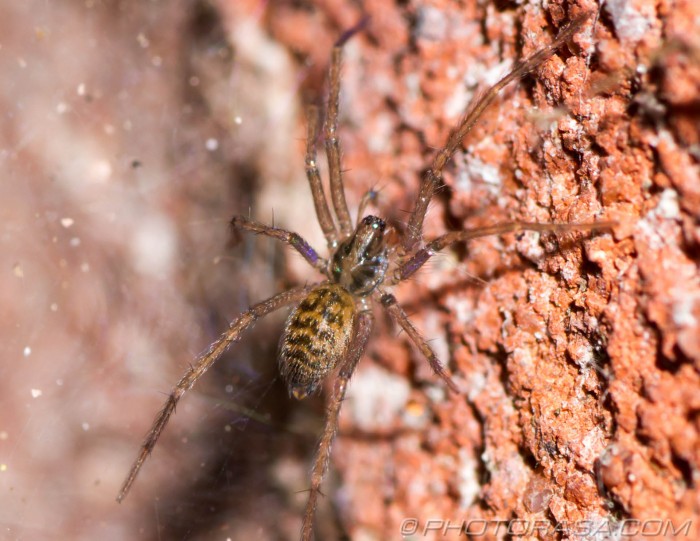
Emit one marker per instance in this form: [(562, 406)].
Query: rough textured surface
[(133, 131), (578, 354)]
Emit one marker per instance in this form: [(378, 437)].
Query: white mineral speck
[(683, 309), (378, 398), (631, 22), (467, 479), (668, 206)]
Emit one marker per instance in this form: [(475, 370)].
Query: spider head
[(360, 262)]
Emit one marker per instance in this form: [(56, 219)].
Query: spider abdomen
[(316, 337)]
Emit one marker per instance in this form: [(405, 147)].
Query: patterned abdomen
[(316, 338)]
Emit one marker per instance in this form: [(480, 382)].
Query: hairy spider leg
[(333, 145), (433, 176), (340, 204), (294, 240), (362, 329), (201, 365), (409, 267), (323, 213), (389, 303)]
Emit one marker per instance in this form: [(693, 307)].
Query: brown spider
[(328, 330)]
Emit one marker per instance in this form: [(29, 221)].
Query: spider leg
[(333, 144), (340, 205), (388, 301), (409, 267), (202, 364), (475, 109), (293, 239), (363, 328), (325, 219)]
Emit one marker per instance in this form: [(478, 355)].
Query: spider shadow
[(238, 483)]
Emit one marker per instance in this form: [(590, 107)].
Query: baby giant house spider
[(327, 331)]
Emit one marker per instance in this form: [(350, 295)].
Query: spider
[(327, 332)]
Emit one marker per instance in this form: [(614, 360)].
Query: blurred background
[(131, 133)]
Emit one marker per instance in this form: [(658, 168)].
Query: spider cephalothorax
[(360, 262), (327, 332)]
